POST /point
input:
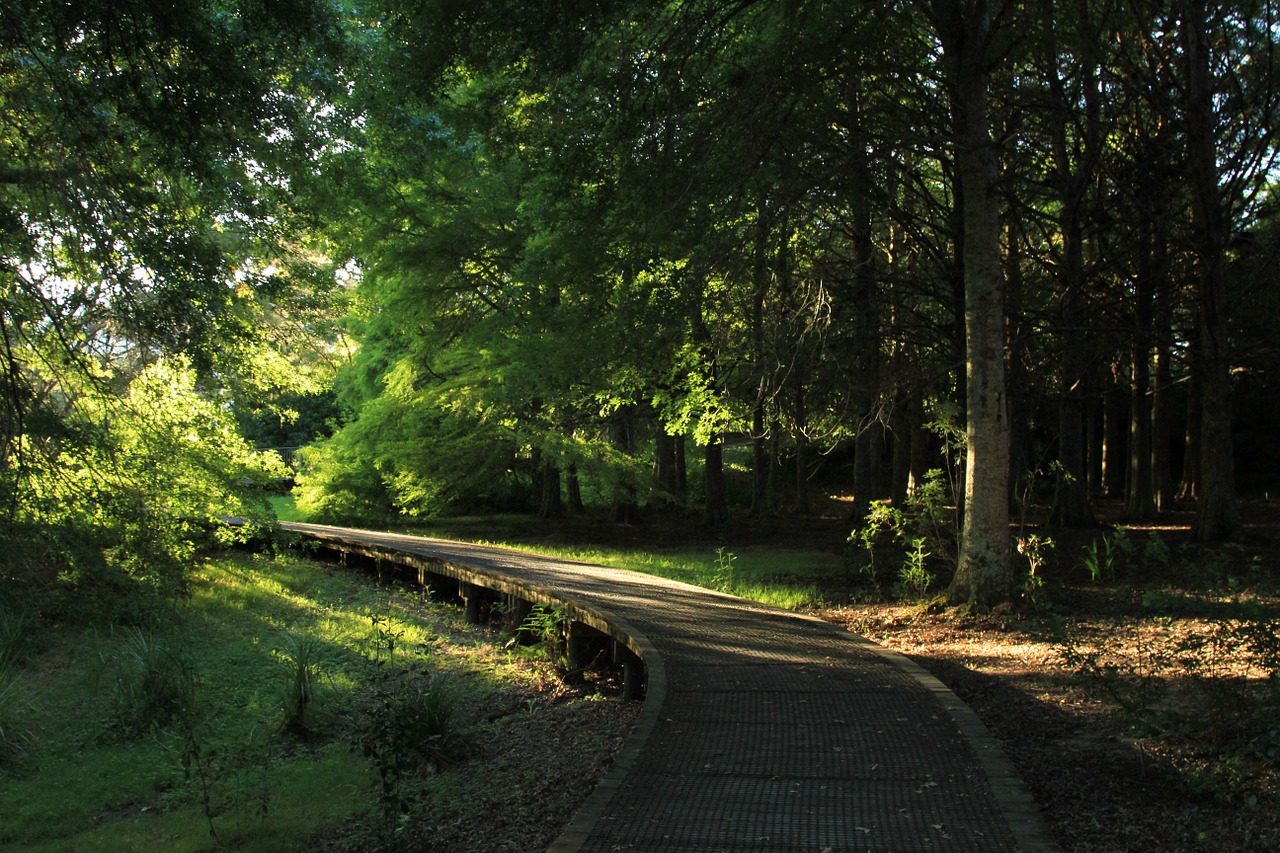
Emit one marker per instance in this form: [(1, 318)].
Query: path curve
[(762, 730)]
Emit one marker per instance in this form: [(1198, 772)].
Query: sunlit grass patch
[(194, 732), (786, 578)]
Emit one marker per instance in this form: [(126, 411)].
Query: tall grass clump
[(15, 737), (17, 631), (305, 660), (154, 679)]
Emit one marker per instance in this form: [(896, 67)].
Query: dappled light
[(768, 311)]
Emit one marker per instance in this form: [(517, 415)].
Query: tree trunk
[(573, 488), (984, 575), (1189, 485), (622, 433), (903, 425), (1093, 431), (863, 473), (1071, 507), (802, 445), (761, 276), (1140, 500), (682, 469), (1113, 438), (760, 499), (551, 504), (1018, 375), (664, 467), (1161, 417), (717, 511), (1218, 516)]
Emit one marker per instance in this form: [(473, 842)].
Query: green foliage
[(724, 578), (403, 455), (1106, 557), (154, 284), (547, 624), (305, 660), (15, 708), (924, 528), (1036, 550), (913, 576), (404, 726), (19, 637), (384, 638), (115, 514), (224, 761), (153, 679)]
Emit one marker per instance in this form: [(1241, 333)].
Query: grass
[(223, 765), (285, 508), (786, 578)]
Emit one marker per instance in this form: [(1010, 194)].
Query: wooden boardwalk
[(762, 730)]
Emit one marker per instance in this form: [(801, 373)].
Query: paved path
[(762, 730)]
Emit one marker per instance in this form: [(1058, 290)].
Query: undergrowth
[(278, 697)]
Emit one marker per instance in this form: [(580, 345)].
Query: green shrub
[(404, 727), (916, 536)]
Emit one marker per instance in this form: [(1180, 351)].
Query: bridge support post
[(577, 650), (518, 611), (632, 670), (470, 594)]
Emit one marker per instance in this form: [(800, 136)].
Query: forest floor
[(1142, 712), (1135, 703)]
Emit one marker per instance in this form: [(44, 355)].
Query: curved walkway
[(762, 730)]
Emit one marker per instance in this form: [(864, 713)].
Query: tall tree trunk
[(1162, 337), (1162, 413), (865, 302), (923, 442), (761, 275), (1071, 506), (573, 490), (551, 502), (682, 469), (902, 425), (1140, 498), (984, 575), (1189, 483), (1114, 430), (1093, 431), (622, 429), (1075, 164), (717, 511), (1018, 376), (760, 464), (1152, 280), (868, 482), (802, 445), (664, 466), (1218, 516)]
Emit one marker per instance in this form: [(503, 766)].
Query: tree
[(145, 167), (1231, 150), (984, 575)]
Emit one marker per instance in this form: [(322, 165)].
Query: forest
[(952, 322), (629, 260)]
